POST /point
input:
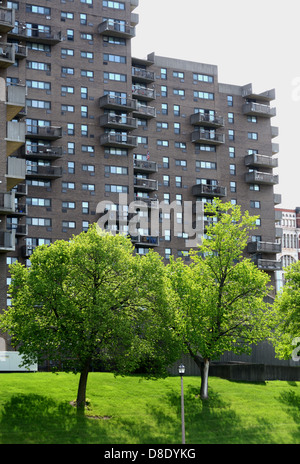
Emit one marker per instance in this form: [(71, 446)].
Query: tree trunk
[(204, 379), (81, 392)]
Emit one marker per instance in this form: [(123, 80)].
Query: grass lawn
[(35, 409)]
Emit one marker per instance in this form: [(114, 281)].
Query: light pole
[(181, 370)]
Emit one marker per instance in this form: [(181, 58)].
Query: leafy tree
[(89, 300), (219, 297), (286, 339)]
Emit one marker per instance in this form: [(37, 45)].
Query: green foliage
[(287, 304), (219, 298), (90, 299)]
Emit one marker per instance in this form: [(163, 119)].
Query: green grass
[(35, 408)]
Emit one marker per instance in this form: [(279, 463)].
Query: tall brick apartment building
[(83, 121)]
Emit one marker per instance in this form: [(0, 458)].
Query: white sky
[(250, 42)]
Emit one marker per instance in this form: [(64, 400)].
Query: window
[(88, 168), (39, 85), (85, 207), (68, 185), (254, 204), (232, 169), (68, 108), (162, 143), (163, 73), (176, 128), (84, 111), (178, 74), (87, 73), (203, 78), (88, 55), (231, 151), (66, 70), (115, 77), (167, 198), (87, 148), (70, 34), (204, 95), (253, 135), (176, 110), (233, 187), (166, 181), (39, 104), (252, 119), (229, 100), (162, 125), (163, 90), (164, 108), (116, 170), (67, 52), (182, 163), (114, 58), (206, 165), (68, 205), (66, 15), (178, 199), (231, 134), (166, 162), (65, 89), (230, 118), (181, 145), (254, 187), (179, 92), (38, 202), (83, 17), (86, 36), (84, 93), (85, 226), (71, 167), (38, 66), (116, 188), (36, 221), (71, 148), (69, 224), (89, 187), (168, 253), (71, 129), (178, 181), (38, 9), (84, 130), (115, 5)]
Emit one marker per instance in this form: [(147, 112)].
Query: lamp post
[(181, 370)]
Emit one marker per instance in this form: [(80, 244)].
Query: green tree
[(220, 296), (91, 300), (286, 338)]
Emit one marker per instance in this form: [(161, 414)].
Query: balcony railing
[(116, 28), (117, 103), (150, 202), (43, 172), (145, 184), (44, 132), (15, 171), (7, 54), (256, 177), (209, 190), (261, 161), (143, 111), (206, 136), (263, 247), (15, 100), (7, 19), (7, 203), (35, 151), (257, 109), (268, 264), (145, 166), (143, 93), (20, 229), (7, 241), (118, 121), (118, 140), (207, 120), (50, 37), (145, 240), (142, 75)]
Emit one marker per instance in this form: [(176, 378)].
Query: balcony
[(265, 178), (15, 136), (257, 109), (20, 209), (145, 184), (21, 51), (145, 240), (263, 247), (206, 120), (277, 198), (20, 190), (275, 148), (143, 93), (44, 132), (142, 75), (16, 170), (263, 161), (118, 140), (20, 229), (35, 151), (149, 202), (7, 55), (15, 100), (267, 96), (118, 121), (274, 131), (7, 20), (38, 35), (117, 103), (115, 28), (7, 203), (7, 241), (208, 190), (268, 264), (43, 172), (144, 166), (143, 111), (206, 136)]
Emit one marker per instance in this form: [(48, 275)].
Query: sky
[(250, 42)]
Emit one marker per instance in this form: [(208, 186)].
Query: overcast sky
[(251, 42)]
